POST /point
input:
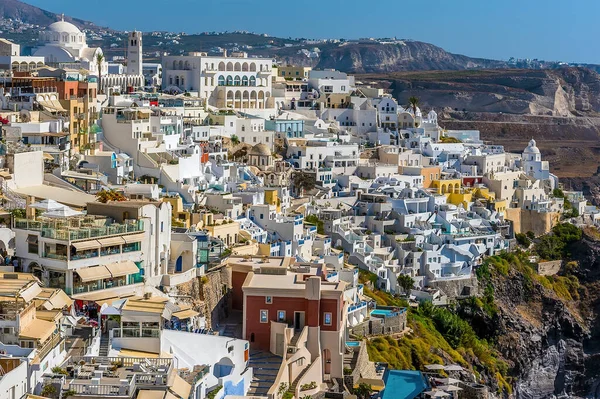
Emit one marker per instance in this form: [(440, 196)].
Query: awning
[(60, 300), (38, 329), (30, 292), (149, 394), (110, 241), (185, 314), (48, 157), (133, 238), (5, 174), (122, 268), (180, 387), (85, 245), (93, 273)]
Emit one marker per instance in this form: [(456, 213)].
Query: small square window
[(281, 315), (269, 299), (264, 316), (327, 318)]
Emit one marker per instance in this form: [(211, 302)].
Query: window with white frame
[(281, 315), (268, 299), (264, 316)]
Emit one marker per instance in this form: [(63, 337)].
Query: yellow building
[(226, 230), (272, 198), (446, 186), (293, 72), (181, 217)]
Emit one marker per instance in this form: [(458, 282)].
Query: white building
[(225, 82)]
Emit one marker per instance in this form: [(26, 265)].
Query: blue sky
[(543, 29)]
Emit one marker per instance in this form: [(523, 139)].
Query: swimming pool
[(403, 384), (382, 312), (352, 343)]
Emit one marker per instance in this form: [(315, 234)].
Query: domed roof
[(532, 148), (63, 27), (260, 149)]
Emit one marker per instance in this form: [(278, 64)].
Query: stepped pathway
[(265, 366), (103, 345), (294, 385)]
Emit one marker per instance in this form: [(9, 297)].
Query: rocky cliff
[(546, 328)]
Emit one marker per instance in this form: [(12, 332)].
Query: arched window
[(221, 80), (182, 81), (174, 64), (252, 67), (245, 81), (237, 67), (252, 81), (236, 81), (230, 66), (180, 64), (243, 128), (221, 66), (229, 81)]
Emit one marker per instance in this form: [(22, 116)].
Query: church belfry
[(134, 53)]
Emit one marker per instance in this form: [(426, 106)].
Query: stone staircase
[(230, 330), (294, 385), (295, 338), (265, 367), (103, 345)]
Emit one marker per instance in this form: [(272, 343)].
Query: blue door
[(179, 265)]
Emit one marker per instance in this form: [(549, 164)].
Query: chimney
[(225, 53)]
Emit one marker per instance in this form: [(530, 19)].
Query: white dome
[(63, 27), (532, 148)]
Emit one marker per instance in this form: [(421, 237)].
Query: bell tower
[(134, 53)]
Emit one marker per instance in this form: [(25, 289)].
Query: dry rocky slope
[(560, 108)]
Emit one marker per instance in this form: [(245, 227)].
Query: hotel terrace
[(81, 253)]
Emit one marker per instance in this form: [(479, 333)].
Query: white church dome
[(532, 148), (63, 27)]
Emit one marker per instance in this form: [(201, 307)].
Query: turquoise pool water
[(352, 343), (381, 312), (403, 384)]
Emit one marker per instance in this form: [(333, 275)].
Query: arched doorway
[(179, 265), (326, 361), (223, 368)]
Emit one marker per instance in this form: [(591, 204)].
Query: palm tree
[(99, 61), (406, 283), (413, 102), (235, 139)]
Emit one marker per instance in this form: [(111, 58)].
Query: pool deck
[(403, 384)]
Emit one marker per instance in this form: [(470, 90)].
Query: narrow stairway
[(103, 345), (292, 388)]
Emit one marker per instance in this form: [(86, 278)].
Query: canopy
[(185, 314), (133, 238), (447, 381), (434, 367), (93, 273), (122, 268), (48, 205), (449, 388), (85, 245), (38, 329), (107, 310), (65, 212), (110, 241), (436, 394), (453, 367)]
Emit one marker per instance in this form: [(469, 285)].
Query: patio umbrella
[(449, 388), (434, 367), (447, 381), (453, 367), (437, 394), (61, 213), (48, 205)]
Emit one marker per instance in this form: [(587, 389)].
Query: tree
[(104, 196), (406, 283), (234, 140), (363, 391), (523, 240), (99, 61), (303, 181), (413, 102)]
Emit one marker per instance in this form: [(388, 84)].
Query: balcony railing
[(67, 233), (136, 333), (50, 344)]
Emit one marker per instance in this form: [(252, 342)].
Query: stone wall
[(549, 268), (524, 220), (379, 326), (209, 294), (473, 391), (457, 288)]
